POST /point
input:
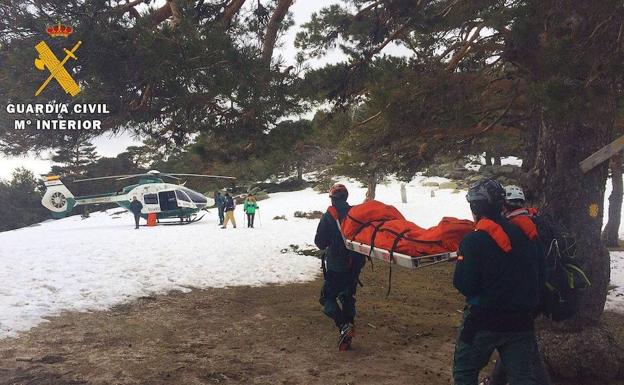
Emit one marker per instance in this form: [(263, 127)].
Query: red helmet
[(338, 191)]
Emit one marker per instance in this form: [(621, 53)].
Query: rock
[(508, 169), (456, 175), (592, 352), (448, 186), (52, 359), (309, 215), (456, 191), (431, 184)]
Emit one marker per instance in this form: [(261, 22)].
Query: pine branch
[(231, 9), (270, 37), (126, 7), (459, 55)]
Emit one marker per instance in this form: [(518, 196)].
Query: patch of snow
[(477, 161), (615, 299), (512, 161)]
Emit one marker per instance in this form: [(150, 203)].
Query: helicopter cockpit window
[(195, 196), (150, 199), (182, 196)]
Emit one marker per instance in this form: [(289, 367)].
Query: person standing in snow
[(229, 207), (220, 202), (250, 206), (341, 267), (498, 271), (136, 207)]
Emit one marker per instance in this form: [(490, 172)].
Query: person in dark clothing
[(498, 271), (341, 267), (136, 207), (220, 202), (514, 210), (230, 205)]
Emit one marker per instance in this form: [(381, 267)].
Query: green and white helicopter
[(166, 200)]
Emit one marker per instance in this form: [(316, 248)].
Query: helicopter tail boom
[(57, 198)]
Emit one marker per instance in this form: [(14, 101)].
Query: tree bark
[(299, 172), (610, 235), (230, 11), (488, 159), (561, 146), (162, 14), (371, 188), (270, 36)]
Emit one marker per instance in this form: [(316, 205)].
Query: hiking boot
[(347, 331)]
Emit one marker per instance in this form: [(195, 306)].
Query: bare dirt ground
[(250, 335)]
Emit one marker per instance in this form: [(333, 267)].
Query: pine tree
[(20, 201), (75, 158)]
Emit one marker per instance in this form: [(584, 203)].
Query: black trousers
[(499, 375), (221, 210), (339, 286), (250, 219), (136, 220)]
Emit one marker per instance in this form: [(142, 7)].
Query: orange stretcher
[(380, 231)]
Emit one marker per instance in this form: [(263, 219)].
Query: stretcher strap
[(372, 242), (411, 239), (391, 259)]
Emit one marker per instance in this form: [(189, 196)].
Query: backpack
[(564, 279)]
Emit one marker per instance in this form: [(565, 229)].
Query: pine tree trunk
[(488, 159), (589, 350), (371, 187), (497, 160), (560, 149), (270, 36), (299, 172), (610, 235)]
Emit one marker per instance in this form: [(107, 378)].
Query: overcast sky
[(108, 145)]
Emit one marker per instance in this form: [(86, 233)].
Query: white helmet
[(514, 193)]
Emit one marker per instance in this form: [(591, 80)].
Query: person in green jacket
[(250, 206)]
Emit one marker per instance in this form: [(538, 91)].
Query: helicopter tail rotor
[(57, 198)]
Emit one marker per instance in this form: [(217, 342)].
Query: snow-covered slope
[(80, 265), (75, 264)]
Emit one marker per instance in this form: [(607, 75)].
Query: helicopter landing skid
[(182, 222)]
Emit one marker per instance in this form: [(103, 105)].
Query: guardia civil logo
[(47, 60)]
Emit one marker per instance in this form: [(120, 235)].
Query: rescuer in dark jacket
[(220, 202), (136, 207), (498, 271), (341, 267)]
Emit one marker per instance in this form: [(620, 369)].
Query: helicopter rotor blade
[(170, 176), (131, 176), (104, 177), (205, 176)]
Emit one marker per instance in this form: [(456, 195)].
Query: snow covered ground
[(615, 298), (92, 264), (81, 265)]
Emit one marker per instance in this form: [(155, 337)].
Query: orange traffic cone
[(151, 219)]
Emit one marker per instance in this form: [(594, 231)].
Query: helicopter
[(166, 200)]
